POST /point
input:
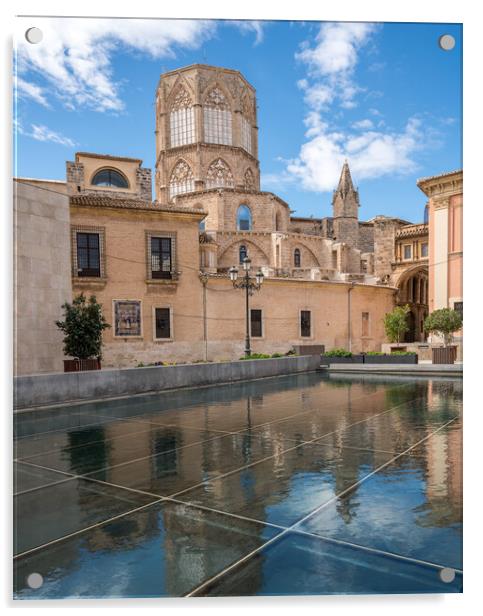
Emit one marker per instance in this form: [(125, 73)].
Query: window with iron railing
[(161, 257)]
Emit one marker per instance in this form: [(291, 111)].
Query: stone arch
[(412, 284), (96, 172), (249, 179), (304, 249), (250, 243), (210, 97), (180, 96)]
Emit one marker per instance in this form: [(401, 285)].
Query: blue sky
[(384, 96)]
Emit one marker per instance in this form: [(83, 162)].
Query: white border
[(171, 327)]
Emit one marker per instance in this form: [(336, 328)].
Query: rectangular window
[(256, 323), (88, 255), (182, 125), (162, 322), (365, 324), (218, 127), (305, 326), (407, 251), (458, 306), (161, 257), (424, 249)]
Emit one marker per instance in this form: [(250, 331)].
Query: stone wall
[(42, 276), (384, 245)]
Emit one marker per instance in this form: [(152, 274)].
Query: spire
[(345, 183)]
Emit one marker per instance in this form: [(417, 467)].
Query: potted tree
[(83, 325), (396, 323), (444, 323)]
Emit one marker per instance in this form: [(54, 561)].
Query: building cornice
[(95, 201)]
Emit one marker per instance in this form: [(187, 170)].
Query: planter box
[(355, 359), (444, 355), (79, 365), (391, 359), (309, 349)]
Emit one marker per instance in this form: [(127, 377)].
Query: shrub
[(374, 353), (403, 353), (277, 355), (256, 356), (338, 353), (396, 323), (83, 326), (444, 322)]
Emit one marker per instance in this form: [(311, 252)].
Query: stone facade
[(42, 274)]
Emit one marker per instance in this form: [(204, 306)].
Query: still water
[(303, 484)]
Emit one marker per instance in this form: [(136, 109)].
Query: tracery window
[(182, 119), (219, 175), (217, 118), (249, 180), (182, 180), (244, 218)]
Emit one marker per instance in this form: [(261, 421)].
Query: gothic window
[(110, 178), (296, 257), (246, 135), (243, 253), (249, 180), (182, 180), (182, 119), (244, 218), (217, 118), (219, 175)]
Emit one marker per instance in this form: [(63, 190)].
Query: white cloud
[(39, 132), (363, 124), (74, 59), (248, 26), (30, 90), (329, 88)]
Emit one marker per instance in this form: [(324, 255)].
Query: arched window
[(182, 119), (249, 180), (181, 180), (219, 175), (217, 118), (296, 257), (244, 218), (426, 214), (111, 178), (243, 253)]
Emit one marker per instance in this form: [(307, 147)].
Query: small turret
[(345, 204)]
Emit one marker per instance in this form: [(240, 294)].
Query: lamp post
[(250, 285)]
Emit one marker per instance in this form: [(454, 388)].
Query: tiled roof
[(437, 177), (131, 204)]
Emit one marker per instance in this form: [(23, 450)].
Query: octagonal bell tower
[(206, 132)]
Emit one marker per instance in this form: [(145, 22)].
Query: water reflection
[(266, 471)]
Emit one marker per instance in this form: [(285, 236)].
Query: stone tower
[(345, 204), (206, 132)]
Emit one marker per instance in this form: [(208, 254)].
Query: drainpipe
[(349, 329)]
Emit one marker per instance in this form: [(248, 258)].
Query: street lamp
[(250, 285)]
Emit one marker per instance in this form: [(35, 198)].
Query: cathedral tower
[(345, 204), (206, 132)]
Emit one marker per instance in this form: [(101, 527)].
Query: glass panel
[(244, 218), (109, 177), (218, 126), (246, 135), (182, 124)]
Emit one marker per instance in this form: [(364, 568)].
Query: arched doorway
[(413, 291)]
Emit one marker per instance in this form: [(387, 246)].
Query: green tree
[(444, 322), (83, 325), (396, 323)]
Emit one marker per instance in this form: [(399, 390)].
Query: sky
[(385, 97)]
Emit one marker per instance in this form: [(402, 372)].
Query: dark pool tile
[(26, 477), (288, 486), (169, 473), (78, 436), (55, 511), (162, 550), (413, 508), (398, 429), (301, 565), (125, 447)]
